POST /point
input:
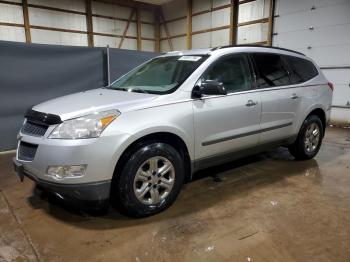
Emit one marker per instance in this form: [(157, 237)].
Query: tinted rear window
[(271, 70), (301, 70)]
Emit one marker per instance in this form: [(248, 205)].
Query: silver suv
[(136, 141)]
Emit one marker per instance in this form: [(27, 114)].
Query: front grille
[(34, 129), (26, 151), (37, 123)]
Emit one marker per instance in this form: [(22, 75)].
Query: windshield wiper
[(117, 88), (138, 90)]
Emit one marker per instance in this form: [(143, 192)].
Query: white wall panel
[(335, 55), (11, 33), (11, 14), (109, 26), (129, 44), (103, 41), (220, 38), (220, 18), (148, 45), (201, 5), (147, 31), (331, 35), (164, 46), (294, 22), (75, 5), (201, 40), (179, 43), (110, 10), (340, 116), (56, 19), (253, 10), (336, 14), (294, 6), (201, 22), (177, 27), (175, 9), (252, 33), (58, 38), (218, 3), (298, 40)]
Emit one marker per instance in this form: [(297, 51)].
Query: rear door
[(280, 100), (228, 123)]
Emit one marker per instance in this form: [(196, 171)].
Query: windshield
[(162, 75)]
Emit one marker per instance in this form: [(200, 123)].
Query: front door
[(224, 124)]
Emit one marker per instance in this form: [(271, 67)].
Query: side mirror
[(210, 88)]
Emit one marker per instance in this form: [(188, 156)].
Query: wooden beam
[(246, 1), (130, 3), (138, 29), (173, 36), (234, 10), (211, 30), (126, 28), (10, 3), (157, 29), (56, 9), (26, 21), (11, 24), (257, 21), (166, 30), (175, 19), (189, 24), (89, 25), (120, 19), (57, 29), (271, 21)]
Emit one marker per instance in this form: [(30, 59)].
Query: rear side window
[(271, 70), (301, 70)]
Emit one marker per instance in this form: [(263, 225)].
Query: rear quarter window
[(301, 70), (271, 70)]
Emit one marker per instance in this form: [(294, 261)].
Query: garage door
[(321, 30)]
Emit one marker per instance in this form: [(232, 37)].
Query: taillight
[(331, 86)]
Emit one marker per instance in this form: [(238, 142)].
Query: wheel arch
[(321, 114), (163, 137)]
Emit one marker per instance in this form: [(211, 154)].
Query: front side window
[(232, 71), (271, 70), (301, 70), (162, 75)]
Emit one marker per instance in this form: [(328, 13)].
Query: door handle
[(294, 96), (251, 103)]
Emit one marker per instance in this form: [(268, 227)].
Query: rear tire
[(309, 139), (150, 180)]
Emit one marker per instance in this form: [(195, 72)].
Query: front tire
[(309, 139), (149, 181)]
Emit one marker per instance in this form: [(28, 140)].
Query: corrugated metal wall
[(56, 26), (321, 30)]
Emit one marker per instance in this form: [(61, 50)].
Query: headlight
[(89, 126)]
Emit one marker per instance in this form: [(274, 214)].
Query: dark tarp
[(33, 73)]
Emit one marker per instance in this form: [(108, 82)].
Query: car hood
[(87, 102)]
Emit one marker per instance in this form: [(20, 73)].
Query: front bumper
[(97, 192)]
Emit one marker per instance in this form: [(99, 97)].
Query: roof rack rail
[(270, 47)]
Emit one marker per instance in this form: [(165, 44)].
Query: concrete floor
[(267, 208)]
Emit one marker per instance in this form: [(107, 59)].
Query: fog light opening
[(62, 172)]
